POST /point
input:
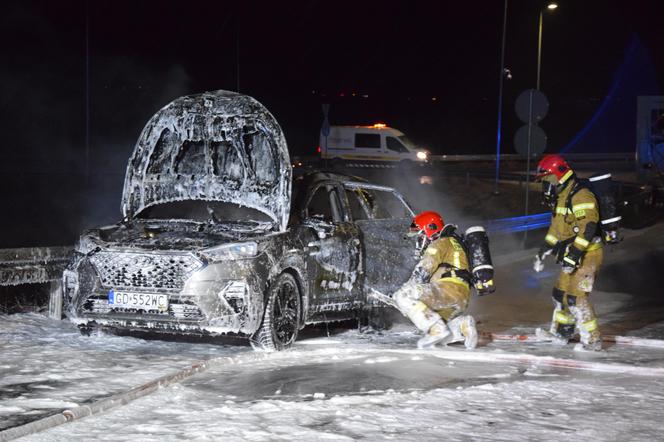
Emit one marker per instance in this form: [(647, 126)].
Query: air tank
[(477, 243)]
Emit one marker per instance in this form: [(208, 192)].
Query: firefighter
[(573, 239), (437, 294)]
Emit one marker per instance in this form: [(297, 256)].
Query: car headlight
[(232, 251), (421, 155)]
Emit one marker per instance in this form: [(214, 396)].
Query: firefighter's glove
[(419, 276), (572, 259), (543, 252)]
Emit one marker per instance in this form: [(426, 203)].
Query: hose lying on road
[(120, 398)]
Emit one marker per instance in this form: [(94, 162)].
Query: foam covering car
[(215, 241)]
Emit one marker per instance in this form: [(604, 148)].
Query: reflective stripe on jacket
[(576, 224), (441, 256)]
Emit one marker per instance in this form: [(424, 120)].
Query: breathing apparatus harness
[(600, 186), (483, 283), (550, 191)]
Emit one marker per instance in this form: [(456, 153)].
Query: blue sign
[(111, 296)]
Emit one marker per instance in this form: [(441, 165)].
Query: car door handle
[(313, 248)]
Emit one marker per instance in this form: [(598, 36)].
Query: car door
[(334, 249), (383, 219)]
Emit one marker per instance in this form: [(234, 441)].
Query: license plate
[(144, 301)]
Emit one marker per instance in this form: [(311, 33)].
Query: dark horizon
[(429, 69)]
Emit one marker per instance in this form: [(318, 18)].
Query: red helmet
[(430, 223), (553, 164)]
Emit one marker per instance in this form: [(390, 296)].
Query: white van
[(369, 143)]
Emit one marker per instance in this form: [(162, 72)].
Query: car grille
[(127, 270)]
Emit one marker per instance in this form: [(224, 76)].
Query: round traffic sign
[(531, 106), (530, 134)]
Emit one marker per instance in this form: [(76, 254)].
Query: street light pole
[(539, 49), (537, 87), (500, 100), (551, 7)]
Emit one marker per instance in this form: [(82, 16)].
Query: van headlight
[(232, 251), (421, 155)]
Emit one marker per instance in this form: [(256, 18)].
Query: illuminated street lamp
[(550, 7), (504, 73)]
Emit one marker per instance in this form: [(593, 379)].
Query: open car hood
[(214, 146)]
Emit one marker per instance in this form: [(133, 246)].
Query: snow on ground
[(48, 365), (351, 385), (376, 386)]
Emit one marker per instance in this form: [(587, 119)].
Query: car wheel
[(281, 321)]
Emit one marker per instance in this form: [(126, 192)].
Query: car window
[(407, 142), (382, 204), (325, 204), (356, 201), (395, 145), (371, 141)]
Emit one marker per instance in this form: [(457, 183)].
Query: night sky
[(429, 68)]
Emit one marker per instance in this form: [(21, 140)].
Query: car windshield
[(214, 212), (407, 142)]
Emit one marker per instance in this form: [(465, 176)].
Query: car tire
[(281, 319)]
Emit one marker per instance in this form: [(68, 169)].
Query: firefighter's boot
[(547, 336), (562, 322), (439, 333), (586, 322), (464, 329)]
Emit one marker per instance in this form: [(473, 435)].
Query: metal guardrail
[(33, 265), (606, 156)]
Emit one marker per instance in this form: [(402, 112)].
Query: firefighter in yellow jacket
[(574, 240), (437, 294)]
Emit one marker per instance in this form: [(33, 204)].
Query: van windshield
[(406, 142)]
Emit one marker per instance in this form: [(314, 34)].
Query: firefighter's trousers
[(425, 304), (572, 307)]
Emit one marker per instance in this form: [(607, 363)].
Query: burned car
[(215, 242)]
